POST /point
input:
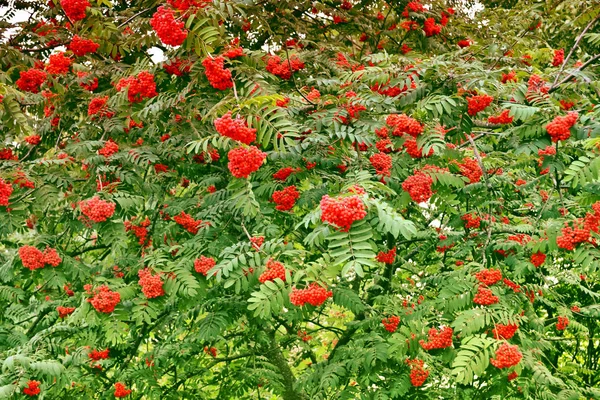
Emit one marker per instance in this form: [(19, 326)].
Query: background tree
[(300, 199)]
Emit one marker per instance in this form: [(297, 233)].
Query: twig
[(133, 17), (570, 75)]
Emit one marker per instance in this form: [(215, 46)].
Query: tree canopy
[(244, 199)]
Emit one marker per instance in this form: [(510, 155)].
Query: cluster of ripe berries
[(97, 355), (75, 9), (184, 5), (88, 84), (506, 332), (203, 264), (32, 389), (138, 87), (342, 211), (80, 46), (502, 118), (236, 129), (562, 323), (489, 277), (285, 173), (218, 76), (188, 223), (140, 230), (245, 160), (169, 30), (63, 312), (506, 356), (471, 221), (391, 323), (418, 186), (96, 209), (485, 297), (418, 374), (178, 67), (560, 127), (6, 190), (559, 57), (470, 168), (382, 164), (103, 299), (286, 198), (31, 80), (58, 64), (538, 259), (284, 68), (314, 295), (121, 390), (387, 257), (33, 259), (98, 107), (581, 230), (403, 124), (110, 148), (438, 339), (152, 285), (478, 103), (274, 270)]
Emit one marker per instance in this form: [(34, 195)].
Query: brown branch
[(570, 75)]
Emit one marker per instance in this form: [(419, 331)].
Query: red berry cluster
[(382, 164), (489, 276), (33, 259), (6, 190), (478, 103), (418, 374), (257, 242), (187, 222), (234, 52), (485, 297), (464, 43), (387, 257), (510, 77), (566, 104), (152, 285), (559, 57), (284, 173), (236, 129), (110, 148), (431, 28), (286, 198), (97, 355), (31, 80), (80, 46), (58, 64), (506, 356), (245, 160), (418, 186), (87, 84), (139, 87), (64, 311), (505, 331), (183, 5), (512, 376), (538, 258), (314, 294), (178, 67), (304, 336), (104, 300), (535, 84), (75, 9), (403, 124), (216, 73), (121, 390), (342, 211), (470, 168), (212, 351), (140, 230), (502, 118), (33, 139), (560, 127), (98, 107), (284, 68), (96, 209), (391, 323), (438, 339), (274, 270), (32, 389), (471, 221), (562, 323), (413, 149), (203, 264), (169, 30)]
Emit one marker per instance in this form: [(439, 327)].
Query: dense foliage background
[(303, 200)]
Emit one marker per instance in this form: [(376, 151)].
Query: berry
[(58, 64), (284, 173), (183, 5), (140, 231), (418, 374), (513, 375), (471, 221), (152, 286), (188, 223), (286, 198), (387, 257), (121, 390), (245, 160), (169, 30), (510, 77), (203, 264), (506, 356), (96, 209), (80, 47), (33, 139), (75, 9), (32, 389), (485, 297), (51, 257), (110, 148), (505, 331), (438, 340), (314, 295), (489, 276), (470, 168), (502, 118), (31, 80), (418, 186), (87, 84), (98, 107), (218, 76), (178, 67), (559, 57), (97, 355), (274, 269), (31, 258), (63, 312), (562, 323), (391, 323), (403, 124), (431, 28), (104, 300), (236, 129), (284, 69), (342, 211), (478, 103), (382, 163), (538, 259), (139, 87), (6, 190), (257, 242), (560, 127)]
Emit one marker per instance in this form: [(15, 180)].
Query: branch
[(128, 20), (570, 75)]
